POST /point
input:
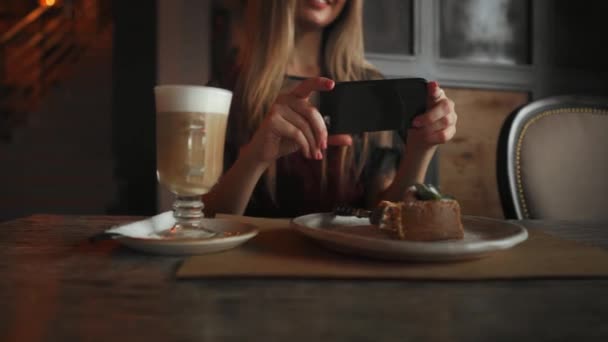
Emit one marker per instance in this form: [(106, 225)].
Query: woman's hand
[(293, 124), (437, 125)]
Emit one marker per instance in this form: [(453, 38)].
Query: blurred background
[(76, 78)]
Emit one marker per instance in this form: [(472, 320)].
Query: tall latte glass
[(190, 133)]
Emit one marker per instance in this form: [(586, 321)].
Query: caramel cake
[(424, 215)]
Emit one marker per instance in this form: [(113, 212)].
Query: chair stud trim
[(520, 188)]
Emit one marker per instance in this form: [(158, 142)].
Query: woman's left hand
[(437, 125)]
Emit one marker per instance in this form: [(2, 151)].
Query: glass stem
[(188, 210)]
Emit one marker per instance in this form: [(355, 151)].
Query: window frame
[(538, 78)]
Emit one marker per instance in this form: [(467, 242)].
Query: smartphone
[(378, 105)]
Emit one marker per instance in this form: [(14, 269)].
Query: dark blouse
[(302, 187)]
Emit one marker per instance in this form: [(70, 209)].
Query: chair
[(552, 160)]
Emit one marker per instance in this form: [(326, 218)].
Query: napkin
[(147, 228)]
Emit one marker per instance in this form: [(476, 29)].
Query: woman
[(280, 160)]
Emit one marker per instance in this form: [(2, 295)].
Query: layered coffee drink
[(190, 150), (190, 133)]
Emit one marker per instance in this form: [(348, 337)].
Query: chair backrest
[(552, 160)]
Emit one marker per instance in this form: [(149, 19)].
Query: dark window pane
[(493, 31), (577, 32), (388, 26)]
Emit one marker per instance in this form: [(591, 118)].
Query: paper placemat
[(281, 252)]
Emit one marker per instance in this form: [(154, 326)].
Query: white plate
[(482, 236), (230, 235)]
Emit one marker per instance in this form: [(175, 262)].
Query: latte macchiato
[(190, 151), (190, 133)]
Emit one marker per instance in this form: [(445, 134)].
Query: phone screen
[(378, 105)]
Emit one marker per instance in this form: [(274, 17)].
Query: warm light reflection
[(47, 3)]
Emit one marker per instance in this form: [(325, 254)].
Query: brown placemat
[(280, 252)]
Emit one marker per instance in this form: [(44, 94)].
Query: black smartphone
[(378, 105)]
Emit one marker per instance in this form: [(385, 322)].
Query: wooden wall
[(467, 165)]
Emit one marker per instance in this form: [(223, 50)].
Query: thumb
[(340, 140)]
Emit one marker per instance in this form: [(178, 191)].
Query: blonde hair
[(269, 31)]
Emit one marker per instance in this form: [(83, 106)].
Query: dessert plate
[(482, 237), (143, 236)]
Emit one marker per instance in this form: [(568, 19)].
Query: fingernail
[(319, 155), (329, 83)]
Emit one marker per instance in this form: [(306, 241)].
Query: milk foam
[(188, 98)]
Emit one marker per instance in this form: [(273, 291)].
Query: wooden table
[(55, 286)]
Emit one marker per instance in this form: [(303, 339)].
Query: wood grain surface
[(56, 286), (467, 164)]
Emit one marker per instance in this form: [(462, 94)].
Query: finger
[(286, 129), (443, 123), (432, 87), (314, 119), (434, 91), (439, 95), (442, 136), (340, 140), (439, 110), (302, 124), (308, 86)]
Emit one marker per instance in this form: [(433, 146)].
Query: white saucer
[(142, 236), (482, 237)]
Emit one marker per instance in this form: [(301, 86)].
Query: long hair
[(268, 38), (269, 31)]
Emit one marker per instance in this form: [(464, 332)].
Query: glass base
[(187, 231), (188, 213)]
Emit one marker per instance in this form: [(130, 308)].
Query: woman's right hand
[(293, 124)]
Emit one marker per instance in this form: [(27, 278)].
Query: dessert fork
[(375, 215)]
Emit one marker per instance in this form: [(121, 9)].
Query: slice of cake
[(424, 215)]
